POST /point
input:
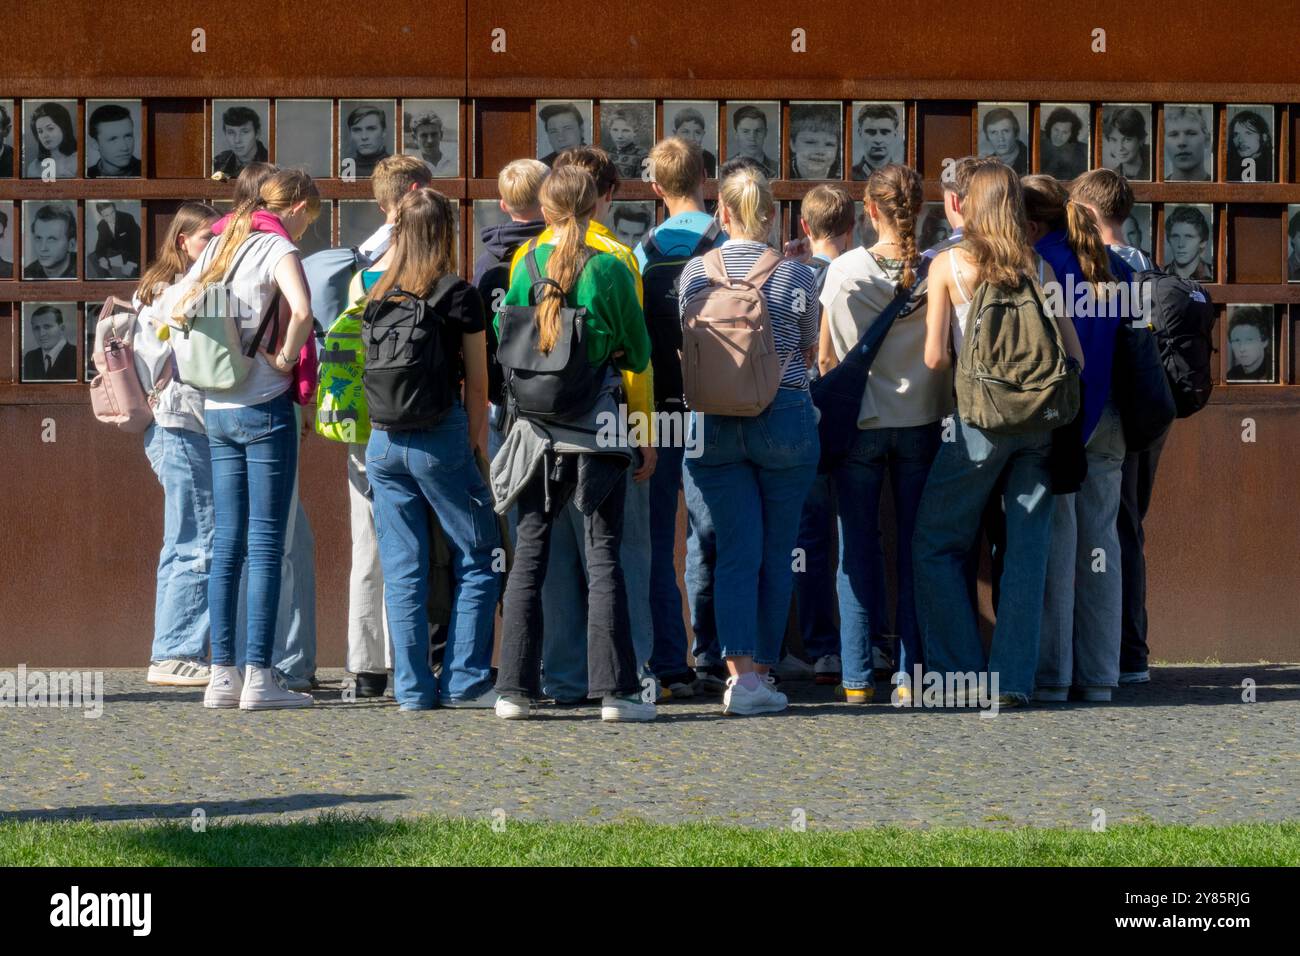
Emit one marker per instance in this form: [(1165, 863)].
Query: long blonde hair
[(994, 231), (1047, 201), (424, 233), (896, 191), (172, 262), (568, 198), (748, 197)]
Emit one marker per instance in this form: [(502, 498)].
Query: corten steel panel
[(1023, 49), (1254, 251), (176, 137), (945, 131), (144, 48), (504, 130)]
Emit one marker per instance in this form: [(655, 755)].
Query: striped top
[(790, 294)]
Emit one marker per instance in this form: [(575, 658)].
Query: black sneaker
[(371, 685), (678, 685)]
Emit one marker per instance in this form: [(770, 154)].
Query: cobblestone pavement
[(1184, 749)]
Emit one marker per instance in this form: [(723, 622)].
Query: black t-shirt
[(460, 312)]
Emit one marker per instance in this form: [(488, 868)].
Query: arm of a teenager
[(826, 357), (293, 285), (938, 312), (473, 346)]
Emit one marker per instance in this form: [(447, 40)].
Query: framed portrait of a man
[(50, 229), (695, 121), (754, 132), (879, 136), (113, 238), (366, 135), (1250, 144), (1189, 241), (49, 342), (630, 220), (112, 139), (561, 125), (1064, 140), (239, 135), (1252, 344), (8, 225), (431, 131), (627, 131), (8, 164), (1189, 143), (1137, 229), (816, 140), (304, 135), (1003, 133)]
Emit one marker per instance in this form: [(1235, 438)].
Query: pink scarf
[(263, 221)]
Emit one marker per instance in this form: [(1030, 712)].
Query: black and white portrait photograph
[(49, 342), (49, 243), (1250, 144), (304, 135), (431, 131), (1064, 139), (320, 234), (367, 134), (1137, 229), (816, 140), (933, 227), (1004, 133), (90, 313), (8, 224), (754, 131), (50, 139), (112, 238), (6, 139), (112, 139), (1252, 356), (1126, 132), (1189, 143), (695, 121), (864, 230), (630, 220), (488, 214), (879, 136), (358, 219), (561, 125), (627, 131), (1292, 243), (1189, 241), (239, 134)]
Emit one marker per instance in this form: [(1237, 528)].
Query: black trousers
[(1138, 480), (611, 660)]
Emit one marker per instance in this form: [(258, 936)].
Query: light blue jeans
[(411, 472), (701, 561), (1083, 609), (180, 459), (564, 594), (965, 474), (753, 475)]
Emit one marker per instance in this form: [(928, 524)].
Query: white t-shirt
[(252, 287)]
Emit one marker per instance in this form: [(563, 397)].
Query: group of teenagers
[(591, 607)]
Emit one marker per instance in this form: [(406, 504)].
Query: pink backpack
[(116, 393), (729, 360)]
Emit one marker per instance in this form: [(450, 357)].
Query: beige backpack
[(729, 361)]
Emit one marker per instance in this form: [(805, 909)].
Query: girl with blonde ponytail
[(1082, 619), (899, 421), (592, 473)]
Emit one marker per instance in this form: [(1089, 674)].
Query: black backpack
[(560, 384), (1182, 316), (407, 376), (663, 320)]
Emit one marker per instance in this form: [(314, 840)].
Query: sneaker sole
[(617, 718), (221, 704), (277, 705), (177, 681)]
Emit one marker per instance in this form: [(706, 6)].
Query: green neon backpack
[(341, 412)]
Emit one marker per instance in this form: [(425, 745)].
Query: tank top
[(962, 308)]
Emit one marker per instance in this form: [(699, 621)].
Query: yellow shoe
[(859, 695)]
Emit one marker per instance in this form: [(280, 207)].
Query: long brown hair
[(281, 190), (172, 262), (248, 184), (568, 198), (896, 191), (424, 229), (1047, 202), (994, 228)]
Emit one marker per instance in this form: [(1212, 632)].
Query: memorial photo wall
[(88, 185)]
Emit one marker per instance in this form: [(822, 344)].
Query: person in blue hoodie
[(1080, 637)]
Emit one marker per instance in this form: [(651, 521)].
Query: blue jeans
[(905, 455), (701, 559), (754, 474), (564, 593), (411, 472), (814, 587), (181, 460), (965, 473), (669, 656), (254, 452)]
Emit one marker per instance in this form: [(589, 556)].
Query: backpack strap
[(585, 253), (762, 269), (708, 237), (714, 267)]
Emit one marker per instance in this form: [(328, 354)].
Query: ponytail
[(748, 197), (1047, 202), (896, 191), (568, 198)]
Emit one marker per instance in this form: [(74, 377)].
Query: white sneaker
[(626, 708), (224, 687), (513, 709), (483, 701), (791, 667), (763, 699), (1135, 677), (178, 673), (827, 670), (264, 690)]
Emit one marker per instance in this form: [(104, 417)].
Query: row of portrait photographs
[(812, 147), (52, 240), (367, 131)]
